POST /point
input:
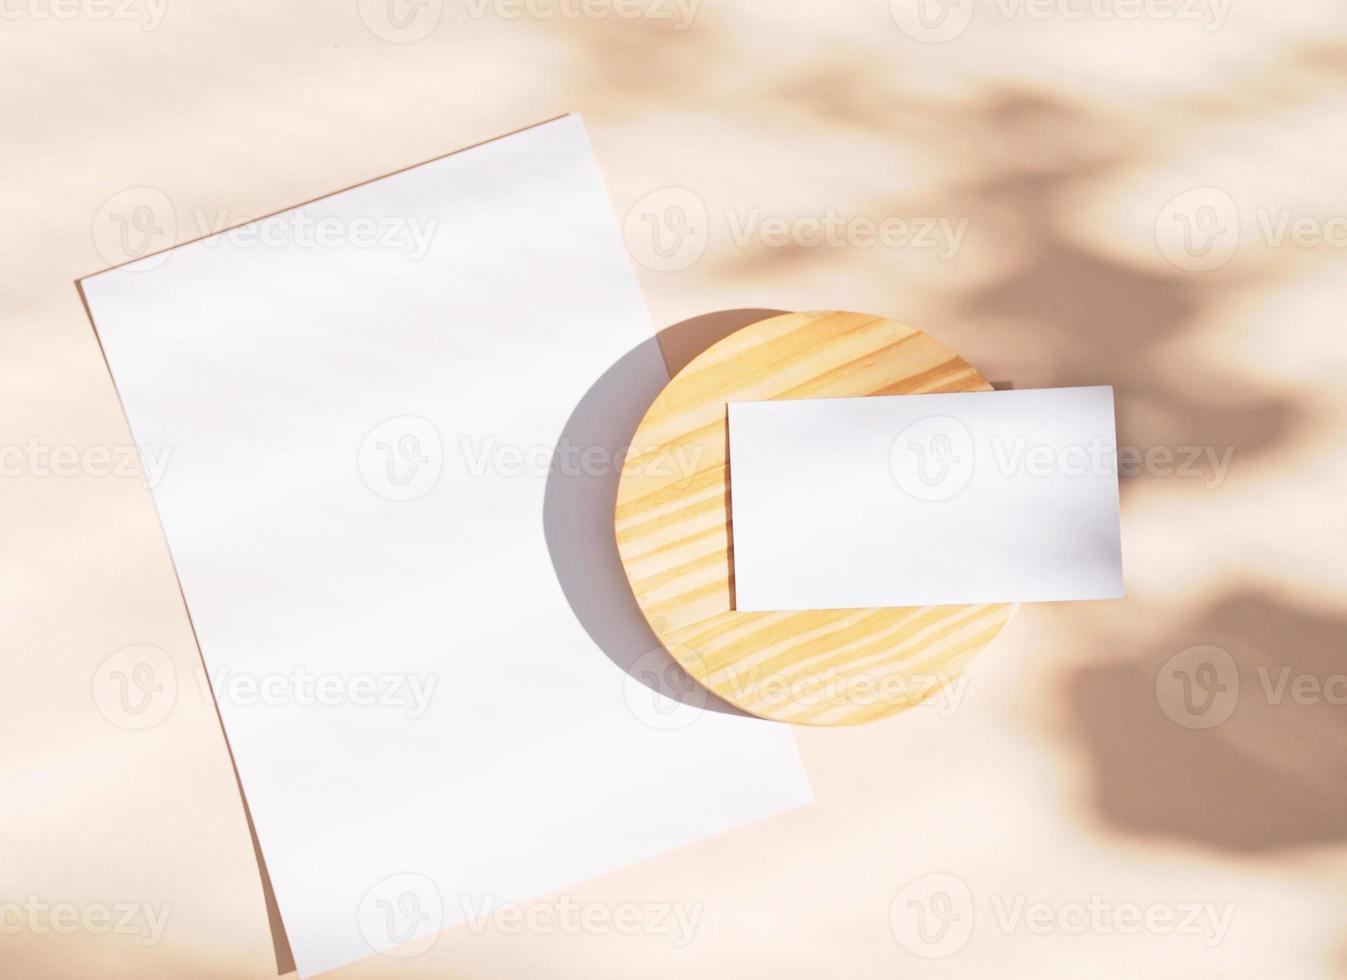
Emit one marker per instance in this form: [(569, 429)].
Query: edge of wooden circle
[(960, 632)]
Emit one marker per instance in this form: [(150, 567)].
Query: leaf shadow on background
[(1271, 775)]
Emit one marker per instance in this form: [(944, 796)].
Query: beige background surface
[(1071, 778)]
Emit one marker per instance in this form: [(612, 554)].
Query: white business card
[(917, 500)]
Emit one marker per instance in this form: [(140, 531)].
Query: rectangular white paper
[(362, 401), (917, 500)]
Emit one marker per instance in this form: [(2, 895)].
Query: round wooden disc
[(821, 667)]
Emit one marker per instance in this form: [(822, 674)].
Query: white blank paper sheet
[(916, 500), (363, 428)]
